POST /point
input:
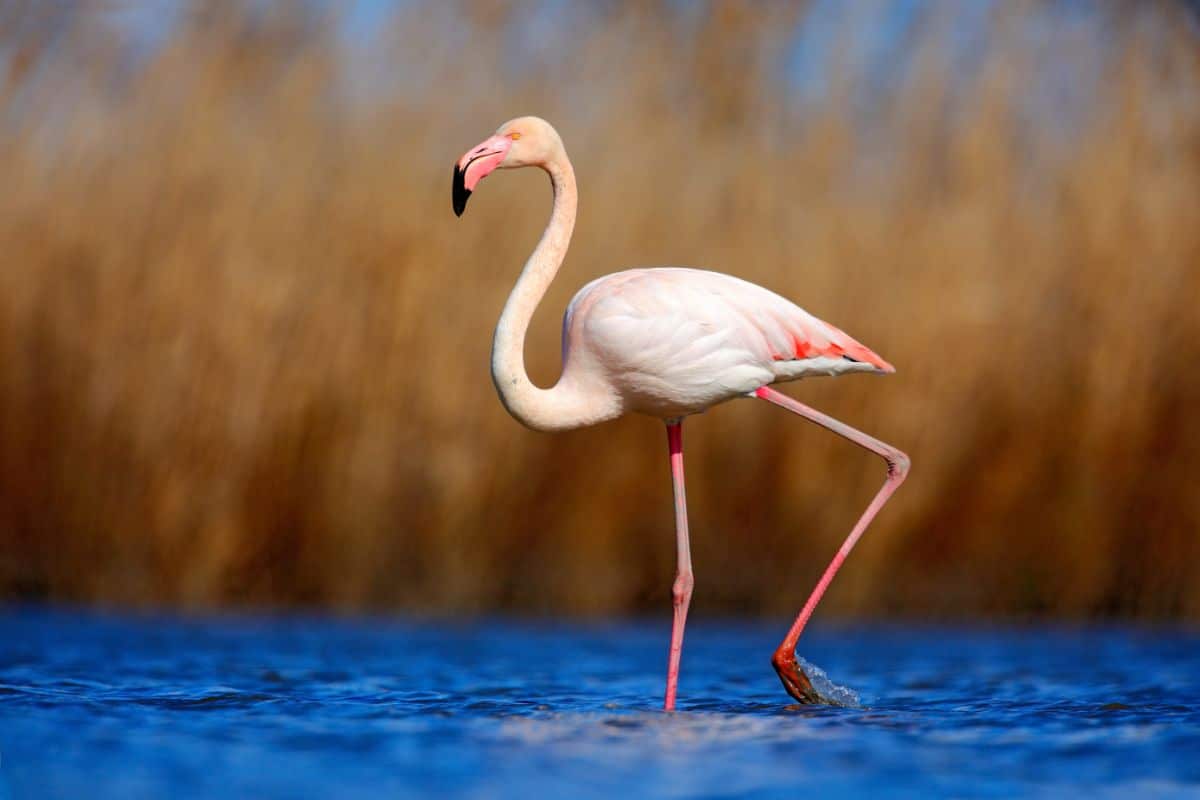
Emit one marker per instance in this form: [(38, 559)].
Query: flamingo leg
[(794, 680), (682, 589)]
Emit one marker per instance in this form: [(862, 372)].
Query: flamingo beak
[(475, 165)]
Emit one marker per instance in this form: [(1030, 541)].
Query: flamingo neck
[(568, 404)]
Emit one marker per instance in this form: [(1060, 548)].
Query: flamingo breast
[(674, 341)]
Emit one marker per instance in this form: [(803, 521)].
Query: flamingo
[(666, 342)]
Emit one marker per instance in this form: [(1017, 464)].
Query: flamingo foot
[(794, 680)]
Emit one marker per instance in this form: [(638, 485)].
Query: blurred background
[(244, 341)]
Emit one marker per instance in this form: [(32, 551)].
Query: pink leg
[(784, 660), (682, 590)]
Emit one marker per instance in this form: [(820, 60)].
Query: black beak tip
[(460, 193)]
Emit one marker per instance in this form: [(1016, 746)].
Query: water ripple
[(107, 706)]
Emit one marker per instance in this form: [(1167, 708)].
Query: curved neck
[(568, 404)]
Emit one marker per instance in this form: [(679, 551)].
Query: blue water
[(100, 706)]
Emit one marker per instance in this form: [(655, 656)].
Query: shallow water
[(98, 705)]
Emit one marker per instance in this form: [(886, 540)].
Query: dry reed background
[(244, 342)]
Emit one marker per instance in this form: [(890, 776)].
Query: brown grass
[(244, 342)]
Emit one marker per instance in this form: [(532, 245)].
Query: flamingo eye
[(514, 136)]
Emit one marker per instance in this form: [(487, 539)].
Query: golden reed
[(244, 341)]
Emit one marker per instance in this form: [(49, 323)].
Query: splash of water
[(829, 691)]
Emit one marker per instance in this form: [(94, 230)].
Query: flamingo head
[(520, 142)]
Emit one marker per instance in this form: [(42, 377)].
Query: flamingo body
[(672, 341)]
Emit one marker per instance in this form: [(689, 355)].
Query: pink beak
[(475, 165)]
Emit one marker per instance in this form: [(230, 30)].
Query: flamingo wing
[(687, 338)]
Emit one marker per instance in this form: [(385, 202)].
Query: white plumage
[(674, 341)]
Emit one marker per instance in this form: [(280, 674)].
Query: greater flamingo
[(666, 342)]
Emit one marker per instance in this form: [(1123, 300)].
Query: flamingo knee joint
[(682, 590)]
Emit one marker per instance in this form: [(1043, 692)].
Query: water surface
[(95, 705)]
